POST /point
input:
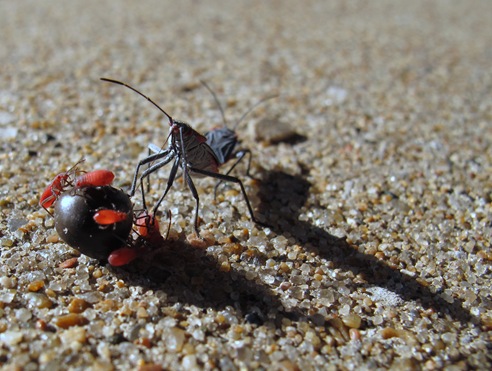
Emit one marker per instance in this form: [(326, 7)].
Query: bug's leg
[(188, 180), (169, 215), (250, 156), (150, 170), (239, 156), (228, 178), (146, 160), (49, 212), (152, 149), (167, 155), (148, 166), (194, 192), (49, 201), (170, 181)]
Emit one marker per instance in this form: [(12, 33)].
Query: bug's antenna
[(252, 108), (216, 101), (222, 110), (171, 121), (72, 169)]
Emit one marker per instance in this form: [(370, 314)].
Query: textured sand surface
[(373, 168)]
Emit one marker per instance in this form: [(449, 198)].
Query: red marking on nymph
[(107, 216), (96, 178), (123, 256)]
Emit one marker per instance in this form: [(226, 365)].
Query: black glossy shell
[(223, 141), (74, 222)]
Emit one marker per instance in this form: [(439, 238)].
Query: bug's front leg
[(146, 160), (170, 155), (151, 169), (152, 149), (170, 181)]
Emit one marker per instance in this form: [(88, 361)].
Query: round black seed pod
[(74, 220)]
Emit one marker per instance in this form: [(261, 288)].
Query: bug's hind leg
[(239, 157), (228, 178)]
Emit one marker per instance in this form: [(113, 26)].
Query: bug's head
[(178, 126)]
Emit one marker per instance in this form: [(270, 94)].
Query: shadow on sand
[(188, 275), (280, 189)]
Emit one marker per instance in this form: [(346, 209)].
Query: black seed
[(74, 220)]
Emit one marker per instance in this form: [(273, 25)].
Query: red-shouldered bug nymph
[(190, 151), (70, 178), (94, 178), (57, 186)]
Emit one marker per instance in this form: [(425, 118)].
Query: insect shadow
[(283, 195)]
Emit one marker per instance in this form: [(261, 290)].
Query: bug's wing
[(222, 142), (203, 157)]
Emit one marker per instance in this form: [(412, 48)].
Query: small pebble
[(11, 338), (69, 263), (35, 286), (78, 305), (107, 305), (146, 342), (54, 238), (41, 325), (352, 320), (175, 339), (38, 300), (354, 334), (69, 320), (150, 367), (196, 241), (75, 334), (8, 282)]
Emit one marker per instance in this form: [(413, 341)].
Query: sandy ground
[(378, 195)]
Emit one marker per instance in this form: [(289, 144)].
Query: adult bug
[(189, 151)]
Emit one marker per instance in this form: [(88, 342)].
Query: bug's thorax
[(191, 138)]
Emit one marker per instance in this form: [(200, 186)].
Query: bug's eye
[(175, 128), (184, 128)]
